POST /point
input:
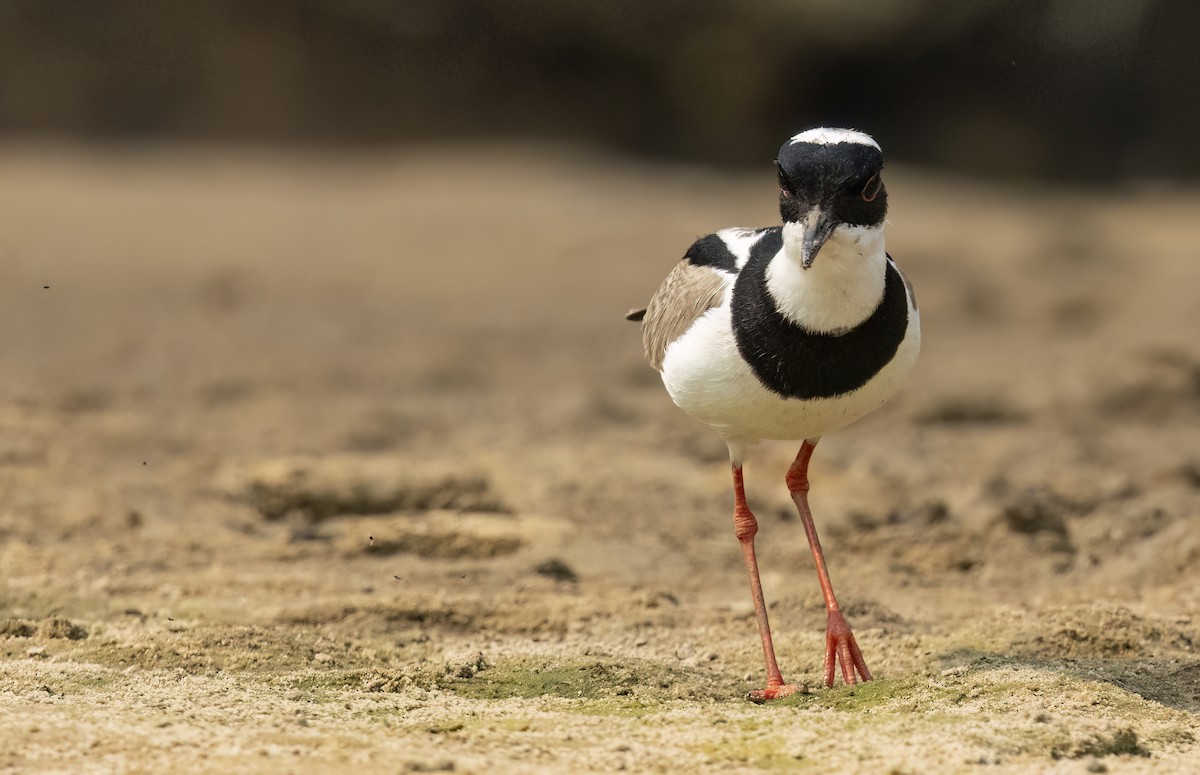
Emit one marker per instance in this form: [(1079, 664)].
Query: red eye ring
[(878, 186)]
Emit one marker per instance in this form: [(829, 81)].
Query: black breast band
[(797, 363)]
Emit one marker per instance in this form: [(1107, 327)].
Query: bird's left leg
[(840, 645)]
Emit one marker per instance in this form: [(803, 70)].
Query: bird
[(789, 333)]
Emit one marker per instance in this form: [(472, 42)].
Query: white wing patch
[(740, 241)]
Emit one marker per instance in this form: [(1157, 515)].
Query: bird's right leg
[(745, 526)]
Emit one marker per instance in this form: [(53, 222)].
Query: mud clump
[(55, 628), (1100, 633), (62, 629), (971, 411), (923, 540), (444, 765), (17, 628), (456, 617), (556, 569), (298, 496), (469, 668), (451, 545), (589, 680), (1040, 514), (926, 513), (387, 682), (1123, 742), (1167, 389)]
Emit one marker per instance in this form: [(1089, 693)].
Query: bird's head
[(830, 178)]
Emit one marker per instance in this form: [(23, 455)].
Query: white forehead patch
[(824, 135)]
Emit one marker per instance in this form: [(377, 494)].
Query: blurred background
[(1054, 89)]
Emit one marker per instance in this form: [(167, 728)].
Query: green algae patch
[(903, 693), (75, 683), (329, 681), (760, 752), (618, 707), (515, 682), (591, 681), (626, 687)]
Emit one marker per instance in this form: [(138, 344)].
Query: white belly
[(708, 379)]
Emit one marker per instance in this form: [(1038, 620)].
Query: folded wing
[(688, 292)]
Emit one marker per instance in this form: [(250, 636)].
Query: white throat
[(843, 286)]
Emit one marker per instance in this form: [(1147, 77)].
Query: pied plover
[(790, 332)]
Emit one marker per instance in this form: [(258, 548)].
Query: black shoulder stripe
[(797, 363), (711, 251), (770, 243)]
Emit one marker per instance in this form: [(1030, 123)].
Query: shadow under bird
[(791, 332)]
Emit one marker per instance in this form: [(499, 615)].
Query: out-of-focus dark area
[(1059, 89)]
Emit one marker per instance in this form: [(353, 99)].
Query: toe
[(775, 693)]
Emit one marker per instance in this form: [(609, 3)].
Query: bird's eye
[(871, 188), (785, 185)]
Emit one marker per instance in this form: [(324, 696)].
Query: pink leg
[(840, 645), (745, 526)]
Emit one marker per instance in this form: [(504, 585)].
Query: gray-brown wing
[(688, 292)]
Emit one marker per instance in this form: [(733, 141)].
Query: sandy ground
[(311, 463)]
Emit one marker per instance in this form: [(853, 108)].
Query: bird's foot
[(776, 692), (840, 647)]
